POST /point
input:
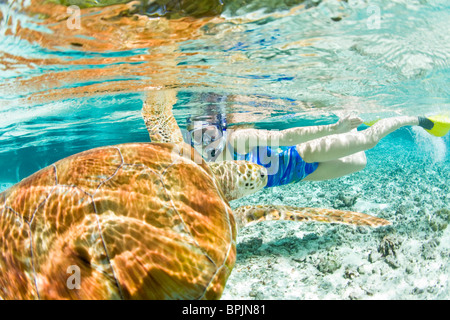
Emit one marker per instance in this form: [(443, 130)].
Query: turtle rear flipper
[(254, 213), (158, 116)]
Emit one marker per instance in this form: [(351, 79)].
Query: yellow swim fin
[(371, 122), (437, 125), (441, 125)]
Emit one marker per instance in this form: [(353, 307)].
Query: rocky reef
[(405, 182)]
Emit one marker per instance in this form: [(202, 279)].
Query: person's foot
[(426, 123), (348, 123)]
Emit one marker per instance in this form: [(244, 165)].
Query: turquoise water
[(277, 70), (63, 92)]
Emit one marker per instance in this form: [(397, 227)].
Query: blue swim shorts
[(284, 165)]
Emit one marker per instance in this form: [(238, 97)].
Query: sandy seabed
[(406, 182)]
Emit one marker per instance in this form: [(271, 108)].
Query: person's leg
[(339, 146), (338, 168)]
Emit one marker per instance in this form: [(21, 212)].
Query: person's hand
[(348, 123)]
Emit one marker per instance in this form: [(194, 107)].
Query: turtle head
[(239, 178)]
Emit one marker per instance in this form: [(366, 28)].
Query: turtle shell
[(132, 221)]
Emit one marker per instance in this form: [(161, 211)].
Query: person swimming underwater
[(312, 153)]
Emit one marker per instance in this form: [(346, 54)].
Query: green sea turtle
[(134, 221)]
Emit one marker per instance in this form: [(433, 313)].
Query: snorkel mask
[(207, 134)]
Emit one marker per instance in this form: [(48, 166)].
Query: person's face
[(208, 141)]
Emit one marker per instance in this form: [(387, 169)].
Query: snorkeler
[(303, 153)]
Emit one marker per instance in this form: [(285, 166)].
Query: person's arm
[(244, 140)]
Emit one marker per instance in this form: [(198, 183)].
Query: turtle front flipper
[(254, 213), (158, 116)]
